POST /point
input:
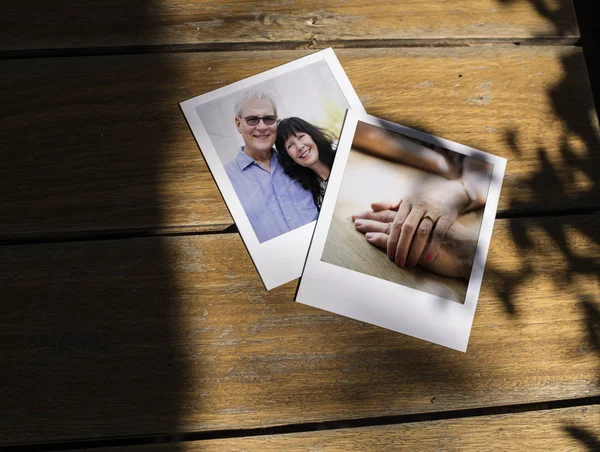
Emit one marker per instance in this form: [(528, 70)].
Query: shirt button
[(289, 219), (279, 197)]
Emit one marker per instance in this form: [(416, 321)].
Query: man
[(274, 202)]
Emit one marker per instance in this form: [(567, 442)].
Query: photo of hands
[(404, 231), (409, 212)]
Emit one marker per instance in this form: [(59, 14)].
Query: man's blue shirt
[(274, 202)]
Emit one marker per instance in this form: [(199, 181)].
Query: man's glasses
[(269, 120)]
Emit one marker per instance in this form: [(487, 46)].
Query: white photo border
[(384, 303), (282, 258)]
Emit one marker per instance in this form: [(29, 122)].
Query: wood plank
[(99, 144), (310, 23), (560, 429), (176, 334)]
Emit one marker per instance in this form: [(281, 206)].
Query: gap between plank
[(90, 236), (165, 438), (313, 44), (226, 228), (530, 213)]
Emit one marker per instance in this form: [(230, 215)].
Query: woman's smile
[(302, 149), (305, 152)]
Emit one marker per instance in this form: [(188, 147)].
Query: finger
[(385, 216), (377, 239), (385, 205), (419, 242), (439, 232), (366, 226), (363, 214), (408, 231), (396, 229)]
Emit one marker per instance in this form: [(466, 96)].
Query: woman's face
[(302, 149)]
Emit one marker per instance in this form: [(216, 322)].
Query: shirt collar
[(243, 160)]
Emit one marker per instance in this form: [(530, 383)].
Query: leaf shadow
[(586, 437), (569, 175)]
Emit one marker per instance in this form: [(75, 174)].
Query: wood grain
[(201, 24), (139, 336), (98, 145), (567, 429)]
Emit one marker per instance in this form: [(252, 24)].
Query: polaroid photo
[(269, 141), (404, 231)]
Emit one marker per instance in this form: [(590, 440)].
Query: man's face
[(261, 137)]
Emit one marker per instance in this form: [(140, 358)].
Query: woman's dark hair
[(307, 177)]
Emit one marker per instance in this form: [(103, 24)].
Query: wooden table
[(131, 315)]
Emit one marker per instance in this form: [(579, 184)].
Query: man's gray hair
[(250, 95)]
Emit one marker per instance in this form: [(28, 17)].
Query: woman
[(306, 154)]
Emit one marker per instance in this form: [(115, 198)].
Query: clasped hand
[(420, 222)]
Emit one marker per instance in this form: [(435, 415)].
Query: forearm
[(476, 180), (384, 144)]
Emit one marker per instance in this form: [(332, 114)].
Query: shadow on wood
[(88, 348)]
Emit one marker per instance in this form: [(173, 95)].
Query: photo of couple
[(409, 212), (269, 141), (281, 171)]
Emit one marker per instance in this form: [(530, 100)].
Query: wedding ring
[(429, 217)]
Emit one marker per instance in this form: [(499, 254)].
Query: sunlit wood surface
[(130, 310)]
